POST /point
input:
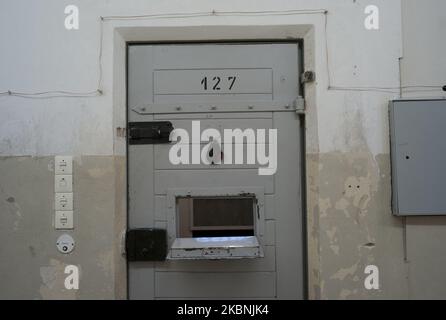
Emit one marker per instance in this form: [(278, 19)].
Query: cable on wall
[(102, 19), (51, 94), (217, 13)]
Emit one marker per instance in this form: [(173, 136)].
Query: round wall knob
[(65, 243)]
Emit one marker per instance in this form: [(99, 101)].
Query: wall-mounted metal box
[(418, 155)]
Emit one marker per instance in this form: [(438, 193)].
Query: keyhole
[(215, 155), (211, 155)]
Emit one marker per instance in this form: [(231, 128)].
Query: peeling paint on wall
[(31, 267), (53, 279), (342, 273), (355, 221)]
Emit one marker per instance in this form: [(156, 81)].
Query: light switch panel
[(64, 201), (63, 165), (63, 183), (63, 220)]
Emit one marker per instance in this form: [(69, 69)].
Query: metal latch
[(146, 244), (150, 132)]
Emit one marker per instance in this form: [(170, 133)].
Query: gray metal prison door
[(212, 214)]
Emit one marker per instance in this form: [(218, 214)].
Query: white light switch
[(63, 183), (63, 165), (63, 220), (64, 201)]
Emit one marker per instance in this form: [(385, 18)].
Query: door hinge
[(150, 132), (299, 105)]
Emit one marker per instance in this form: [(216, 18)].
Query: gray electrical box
[(418, 154)]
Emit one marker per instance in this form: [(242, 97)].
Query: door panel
[(215, 285), (176, 83)]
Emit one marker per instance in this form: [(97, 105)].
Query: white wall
[(39, 54), (424, 48)]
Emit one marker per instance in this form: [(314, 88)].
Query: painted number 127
[(215, 83)]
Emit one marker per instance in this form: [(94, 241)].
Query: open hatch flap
[(206, 248)]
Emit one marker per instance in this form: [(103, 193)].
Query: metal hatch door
[(214, 229)]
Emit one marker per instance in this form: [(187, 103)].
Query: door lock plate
[(150, 132), (146, 244)]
